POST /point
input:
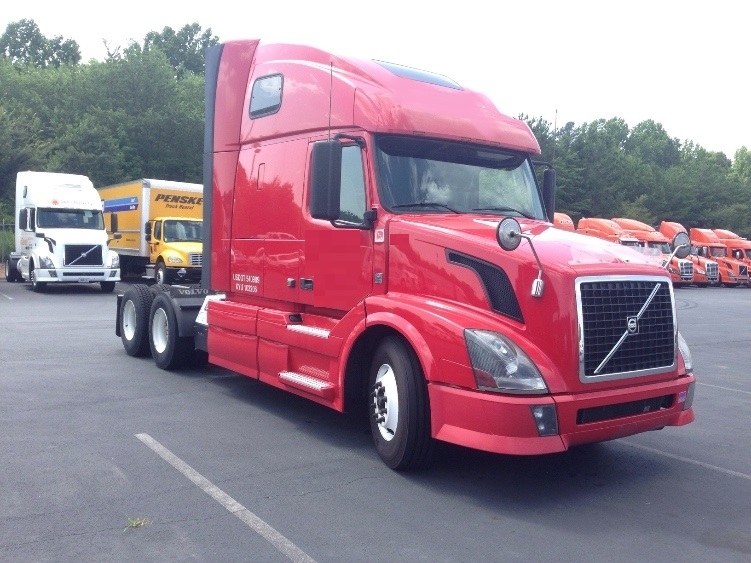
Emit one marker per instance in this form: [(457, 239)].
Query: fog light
[(53, 273), (545, 419), (112, 273), (687, 397)]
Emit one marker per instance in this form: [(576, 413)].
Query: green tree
[(184, 49), (23, 44)]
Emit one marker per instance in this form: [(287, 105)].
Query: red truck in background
[(706, 270), (681, 269), (739, 248), (563, 221), (733, 272), (379, 244), (606, 229)]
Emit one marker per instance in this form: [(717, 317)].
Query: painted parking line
[(6, 296), (689, 460), (276, 539), (724, 388)]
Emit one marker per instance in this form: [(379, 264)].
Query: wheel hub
[(385, 405)]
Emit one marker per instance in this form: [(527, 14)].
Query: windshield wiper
[(504, 209), (424, 204)]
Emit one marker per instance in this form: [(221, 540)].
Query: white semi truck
[(60, 234)]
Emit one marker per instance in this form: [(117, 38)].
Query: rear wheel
[(168, 348), (399, 407), (10, 276), (134, 320)]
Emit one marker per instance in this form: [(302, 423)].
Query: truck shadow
[(493, 480)]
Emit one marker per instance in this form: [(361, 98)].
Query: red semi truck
[(379, 243), (738, 247), (706, 271), (681, 269), (733, 272)]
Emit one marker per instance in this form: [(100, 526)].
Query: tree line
[(139, 114)]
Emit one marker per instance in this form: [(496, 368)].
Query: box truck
[(161, 227), (59, 234), (379, 244)]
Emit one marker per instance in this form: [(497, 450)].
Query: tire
[(399, 407), (169, 349), (158, 288), (37, 286), (10, 276), (107, 286), (160, 274), (134, 320)]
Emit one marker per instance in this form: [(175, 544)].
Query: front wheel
[(160, 274), (399, 407), (36, 285), (168, 348)]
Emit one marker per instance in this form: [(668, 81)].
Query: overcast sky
[(683, 64)]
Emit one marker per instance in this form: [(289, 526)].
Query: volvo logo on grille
[(633, 325)]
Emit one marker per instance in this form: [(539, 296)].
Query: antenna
[(331, 92), (555, 135)]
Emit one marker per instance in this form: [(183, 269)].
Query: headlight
[(46, 262), (113, 259), (500, 365), (174, 260), (685, 353)]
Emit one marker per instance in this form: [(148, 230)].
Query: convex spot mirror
[(508, 234), (682, 245)]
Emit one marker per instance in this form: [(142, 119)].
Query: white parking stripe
[(724, 388), (6, 296), (689, 460), (276, 539)]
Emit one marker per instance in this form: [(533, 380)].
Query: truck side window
[(158, 230), (352, 206), (266, 96)]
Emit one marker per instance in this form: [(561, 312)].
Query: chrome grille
[(196, 259), (83, 255), (687, 269), (713, 271), (626, 327)]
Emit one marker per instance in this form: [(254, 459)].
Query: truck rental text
[(377, 241)]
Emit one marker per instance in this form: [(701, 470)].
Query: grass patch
[(136, 523)]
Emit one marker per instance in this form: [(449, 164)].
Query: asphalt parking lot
[(104, 457)]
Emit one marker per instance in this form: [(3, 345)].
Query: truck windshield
[(417, 175), (70, 219), (718, 251), (183, 230)]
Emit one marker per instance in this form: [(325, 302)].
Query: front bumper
[(183, 274), (82, 275), (504, 424)]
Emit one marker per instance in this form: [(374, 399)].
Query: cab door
[(337, 267), (155, 243)]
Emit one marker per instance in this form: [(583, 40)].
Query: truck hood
[(454, 265), (557, 249)]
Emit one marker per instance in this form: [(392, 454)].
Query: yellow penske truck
[(161, 228)]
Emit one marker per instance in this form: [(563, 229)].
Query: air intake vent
[(497, 286), (627, 327)]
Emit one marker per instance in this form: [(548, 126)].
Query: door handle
[(306, 284)]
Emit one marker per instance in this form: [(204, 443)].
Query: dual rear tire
[(148, 324)]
